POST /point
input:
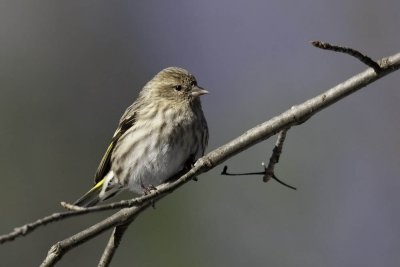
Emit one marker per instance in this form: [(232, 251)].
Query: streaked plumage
[(159, 135)]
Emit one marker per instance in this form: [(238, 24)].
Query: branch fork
[(269, 171)]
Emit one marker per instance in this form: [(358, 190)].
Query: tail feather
[(92, 197), (103, 190)]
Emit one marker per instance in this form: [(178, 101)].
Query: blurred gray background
[(68, 69)]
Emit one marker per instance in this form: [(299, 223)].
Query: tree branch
[(269, 171), (294, 116), (121, 217), (113, 244), (274, 159), (29, 227), (350, 51)]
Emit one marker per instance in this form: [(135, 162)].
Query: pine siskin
[(161, 134)]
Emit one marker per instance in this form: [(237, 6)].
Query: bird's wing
[(126, 122)]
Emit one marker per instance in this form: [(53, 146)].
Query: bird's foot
[(148, 188)]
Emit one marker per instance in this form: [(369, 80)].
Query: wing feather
[(126, 122)]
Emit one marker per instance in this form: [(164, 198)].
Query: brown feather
[(127, 121)]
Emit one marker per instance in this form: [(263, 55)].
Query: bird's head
[(175, 84)]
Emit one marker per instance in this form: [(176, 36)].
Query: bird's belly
[(157, 163)]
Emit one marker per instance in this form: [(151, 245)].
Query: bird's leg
[(189, 164), (147, 190)]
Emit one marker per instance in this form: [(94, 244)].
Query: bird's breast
[(153, 150)]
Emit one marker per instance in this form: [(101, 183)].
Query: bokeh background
[(68, 69)]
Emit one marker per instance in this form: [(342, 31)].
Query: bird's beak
[(198, 91)]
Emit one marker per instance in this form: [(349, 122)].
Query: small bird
[(160, 135)]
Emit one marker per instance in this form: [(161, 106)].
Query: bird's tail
[(103, 190)]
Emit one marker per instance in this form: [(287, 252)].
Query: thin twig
[(74, 211), (29, 227), (268, 171), (350, 51), (225, 172), (274, 159), (112, 244)]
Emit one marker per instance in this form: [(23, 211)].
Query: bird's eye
[(193, 83), (178, 87)]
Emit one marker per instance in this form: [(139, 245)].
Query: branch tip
[(266, 178), (224, 171), (349, 51), (72, 207)]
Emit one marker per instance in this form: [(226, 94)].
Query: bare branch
[(60, 248), (350, 51), (29, 227), (225, 172), (112, 244), (274, 159), (293, 116), (268, 171)]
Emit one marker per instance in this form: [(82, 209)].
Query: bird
[(161, 134)]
